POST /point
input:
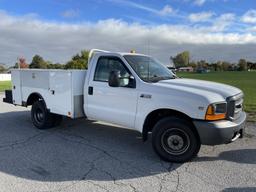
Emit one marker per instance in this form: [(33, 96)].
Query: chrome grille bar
[(235, 106)]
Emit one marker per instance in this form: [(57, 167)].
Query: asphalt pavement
[(83, 155)]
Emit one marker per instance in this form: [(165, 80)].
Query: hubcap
[(38, 115), (175, 141)]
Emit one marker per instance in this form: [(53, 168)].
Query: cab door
[(111, 104)]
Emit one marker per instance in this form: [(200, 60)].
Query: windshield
[(149, 69)]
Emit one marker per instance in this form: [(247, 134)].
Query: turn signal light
[(211, 115)]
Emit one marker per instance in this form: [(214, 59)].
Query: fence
[(5, 77)]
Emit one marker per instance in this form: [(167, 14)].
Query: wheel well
[(33, 97), (158, 114)]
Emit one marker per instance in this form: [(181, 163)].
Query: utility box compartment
[(62, 90)]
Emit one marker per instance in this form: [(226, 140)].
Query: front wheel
[(175, 140)]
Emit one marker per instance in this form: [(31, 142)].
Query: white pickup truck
[(136, 92)]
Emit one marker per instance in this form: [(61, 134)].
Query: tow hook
[(237, 135)]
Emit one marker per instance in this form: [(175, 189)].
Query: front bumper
[(220, 132)]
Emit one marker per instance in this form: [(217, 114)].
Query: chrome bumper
[(220, 132)]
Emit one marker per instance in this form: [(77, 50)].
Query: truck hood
[(200, 85)]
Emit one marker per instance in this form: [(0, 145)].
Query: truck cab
[(138, 92)]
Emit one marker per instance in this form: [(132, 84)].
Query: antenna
[(148, 46)]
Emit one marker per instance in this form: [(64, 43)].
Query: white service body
[(62, 90)]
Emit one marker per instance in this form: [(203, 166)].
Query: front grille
[(234, 106)]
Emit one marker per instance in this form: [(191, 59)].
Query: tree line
[(78, 61), (183, 60)]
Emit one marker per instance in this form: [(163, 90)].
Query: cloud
[(165, 11), (252, 29), (135, 5), (199, 2), (217, 24), (223, 22), (249, 16), (26, 36), (202, 2), (70, 13), (200, 17)]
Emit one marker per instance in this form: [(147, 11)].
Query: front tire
[(41, 117), (175, 140)]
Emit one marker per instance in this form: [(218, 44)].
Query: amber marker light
[(216, 112)]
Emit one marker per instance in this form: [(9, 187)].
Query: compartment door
[(60, 93), (16, 87)]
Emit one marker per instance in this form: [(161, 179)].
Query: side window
[(107, 64), (102, 70)]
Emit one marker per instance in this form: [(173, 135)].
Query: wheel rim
[(175, 141), (39, 116)]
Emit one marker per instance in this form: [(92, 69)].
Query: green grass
[(5, 85), (246, 81)]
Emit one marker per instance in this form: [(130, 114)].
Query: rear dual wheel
[(42, 118)]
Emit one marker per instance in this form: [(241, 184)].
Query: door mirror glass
[(114, 79)]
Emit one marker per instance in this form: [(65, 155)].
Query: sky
[(57, 29)]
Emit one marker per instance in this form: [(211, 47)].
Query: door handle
[(90, 90), (146, 96)]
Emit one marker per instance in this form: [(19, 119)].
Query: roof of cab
[(112, 52), (139, 54)]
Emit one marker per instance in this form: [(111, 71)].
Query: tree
[(22, 63), (181, 59), (253, 66), (192, 64), (214, 66), (54, 66), (202, 64), (226, 65), (2, 68), (78, 61), (219, 66), (249, 65), (242, 65), (38, 62)]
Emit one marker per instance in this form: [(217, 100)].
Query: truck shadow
[(244, 189), (84, 150), (76, 150), (242, 156)]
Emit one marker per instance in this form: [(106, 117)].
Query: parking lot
[(83, 155)]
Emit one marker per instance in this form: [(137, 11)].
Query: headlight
[(216, 111)]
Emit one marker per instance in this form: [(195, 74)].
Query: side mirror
[(132, 82), (114, 79)]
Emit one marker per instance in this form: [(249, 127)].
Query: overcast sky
[(57, 29)]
